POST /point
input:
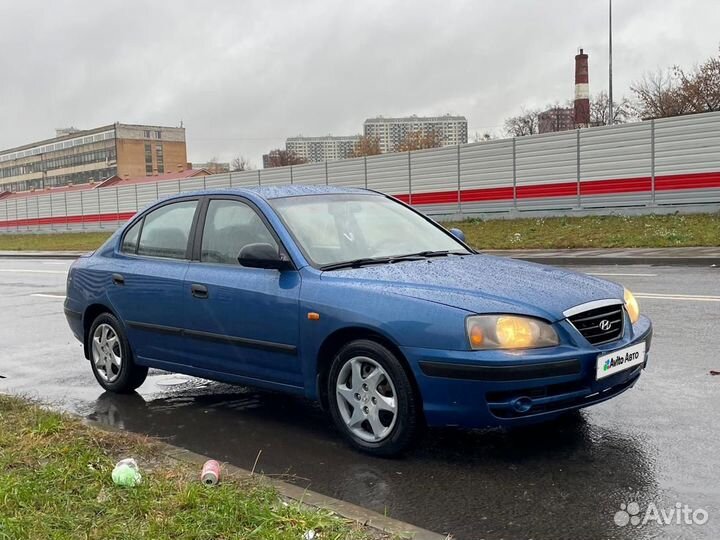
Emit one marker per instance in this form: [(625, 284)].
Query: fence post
[(514, 175), (327, 180), (291, 177), (409, 179), (52, 224), (259, 183), (459, 196), (82, 212), (17, 220), (577, 152), (67, 222), (99, 210), (27, 214), (137, 206), (230, 178), (365, 161), (117, 207), (652, 162)]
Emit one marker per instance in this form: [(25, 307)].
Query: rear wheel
[(371, 399), (111, 358)]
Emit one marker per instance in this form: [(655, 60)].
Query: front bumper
[(500, 388)]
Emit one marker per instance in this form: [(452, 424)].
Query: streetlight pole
[(610, 91)]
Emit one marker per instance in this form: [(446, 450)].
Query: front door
[(241, 321)]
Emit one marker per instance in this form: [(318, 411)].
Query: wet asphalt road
[(657, 443)]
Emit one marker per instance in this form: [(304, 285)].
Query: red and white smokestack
[(582, 91)]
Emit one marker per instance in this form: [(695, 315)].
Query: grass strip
[(651, 231), (55, 483)]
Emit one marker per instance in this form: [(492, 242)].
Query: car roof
[(281, 191)]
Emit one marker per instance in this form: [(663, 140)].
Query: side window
[(229, 227), (166, 230), (130, 242)]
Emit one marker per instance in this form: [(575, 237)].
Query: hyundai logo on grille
[(605, 325)]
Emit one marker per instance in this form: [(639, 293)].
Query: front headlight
[(509, 332), (632, 306)]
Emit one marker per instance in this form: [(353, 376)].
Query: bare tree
[(240, 163), (482, 137), (367, 145), (419, 140), (283, 158), (526, 123), (600, 110), (658, 95), (700, 88)]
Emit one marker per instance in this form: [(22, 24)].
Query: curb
[(349, 511), (604, 260), (68, 255), (561, 260)]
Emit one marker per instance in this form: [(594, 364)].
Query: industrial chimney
[(582, 91)]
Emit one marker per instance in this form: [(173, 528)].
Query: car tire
[(111, 358), (372, 400)]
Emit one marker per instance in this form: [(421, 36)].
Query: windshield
[(340, 228)]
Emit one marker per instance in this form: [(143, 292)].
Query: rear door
[(147, 282), (242, 321)]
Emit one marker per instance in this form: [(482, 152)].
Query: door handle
[(118, 279), (199, 291)]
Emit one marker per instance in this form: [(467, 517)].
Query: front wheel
[(111, 358), (371, 399)]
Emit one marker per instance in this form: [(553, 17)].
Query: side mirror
[(262, 256), (457, 233)]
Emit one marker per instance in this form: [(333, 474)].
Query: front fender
[(401, 320)]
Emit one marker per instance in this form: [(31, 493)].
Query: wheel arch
[(332, 344), (91, 313)]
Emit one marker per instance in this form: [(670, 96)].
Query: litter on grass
[(210, 475), (126, 473)]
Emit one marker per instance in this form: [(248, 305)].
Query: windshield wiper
[(366, 261), (441, 253), (356, 263)]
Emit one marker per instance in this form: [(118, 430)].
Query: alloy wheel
[(367, 399), (107, 352)]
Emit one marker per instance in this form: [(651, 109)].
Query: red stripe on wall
[(569, 189), (65, 220), (561, 189)]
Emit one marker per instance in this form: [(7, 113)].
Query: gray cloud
[(242, 76)]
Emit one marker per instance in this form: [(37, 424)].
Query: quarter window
[(167, 230), (229, 227), (130, 242)]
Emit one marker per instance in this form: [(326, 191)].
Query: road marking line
[(56, 262), (627, 275), (20, 270), (687, 297), (44, 295)]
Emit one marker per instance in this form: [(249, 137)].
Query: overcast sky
[(244, 75)]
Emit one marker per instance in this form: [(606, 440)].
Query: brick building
[(80, 156)]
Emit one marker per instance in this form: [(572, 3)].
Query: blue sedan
[(354, 299)]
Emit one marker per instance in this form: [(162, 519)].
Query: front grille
[(600, 325)]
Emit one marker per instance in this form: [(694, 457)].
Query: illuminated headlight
[(509, 332), (632, 306)]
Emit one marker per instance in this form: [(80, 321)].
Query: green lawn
[(525, 233), (55, 483), (593, 232), (70, 241)]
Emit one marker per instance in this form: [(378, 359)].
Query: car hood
[(485, 284)]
